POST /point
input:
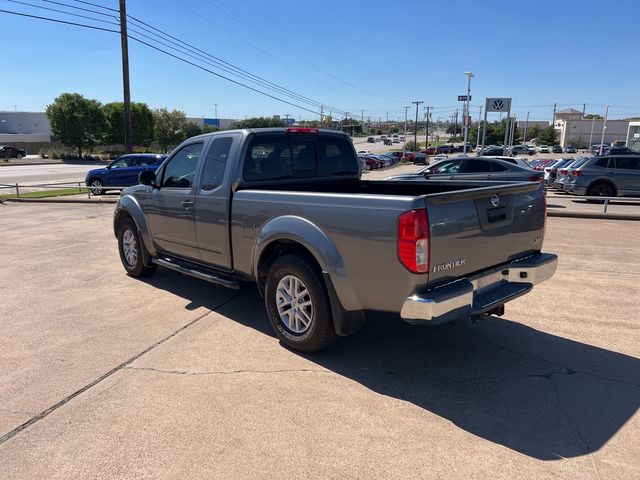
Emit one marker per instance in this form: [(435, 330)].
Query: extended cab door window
[(215, 163)]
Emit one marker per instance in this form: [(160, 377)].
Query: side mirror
[(148, 177)]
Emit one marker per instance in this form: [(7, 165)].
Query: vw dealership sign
[(498, 105)]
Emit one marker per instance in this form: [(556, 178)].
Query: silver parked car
[(474, 168), (609, 176)]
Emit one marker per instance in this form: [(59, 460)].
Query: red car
[(372, 162), (431, 150)]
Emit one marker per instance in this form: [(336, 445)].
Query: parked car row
[(370, 161), (387, 139), (599, 176)]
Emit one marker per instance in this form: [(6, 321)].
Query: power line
[(59, 21), (219, 75), (95, 5), (224, 65), (61, 11), (80, 8)]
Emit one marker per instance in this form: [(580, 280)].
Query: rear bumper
[(479, 293)]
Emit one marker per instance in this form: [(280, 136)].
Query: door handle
[(187, 203)]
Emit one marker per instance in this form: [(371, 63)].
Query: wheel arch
[(128, 207), (606, 180)]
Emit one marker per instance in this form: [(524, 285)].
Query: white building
[(573, 129), (24, 129), (633, 136)]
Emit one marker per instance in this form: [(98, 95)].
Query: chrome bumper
[(479, 293)]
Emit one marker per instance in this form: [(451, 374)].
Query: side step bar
[(208, 277)]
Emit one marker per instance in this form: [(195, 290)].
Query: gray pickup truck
[(287, 209)]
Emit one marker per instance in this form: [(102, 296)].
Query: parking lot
[(103, 375)]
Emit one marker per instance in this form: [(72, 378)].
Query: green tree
[(593, 115), (142, 121), (548, 136), (192, 129), (170, 127), (259, 122), (532, 132), (76, 121)]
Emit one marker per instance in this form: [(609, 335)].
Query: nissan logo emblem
[(495, 200)]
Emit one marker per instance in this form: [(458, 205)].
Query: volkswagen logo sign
[(498, 104), (495, 200)]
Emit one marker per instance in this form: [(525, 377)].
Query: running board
[(208, 277)]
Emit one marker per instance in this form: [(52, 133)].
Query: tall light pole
[(593, 123), (426, 133), (604, 127), (526, 125), (466, 112), (415, 132), (404, 142), (216, 108)]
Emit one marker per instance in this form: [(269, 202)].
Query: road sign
[(464, 98), (498, 105)]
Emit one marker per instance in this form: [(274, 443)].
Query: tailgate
[(476, 229)]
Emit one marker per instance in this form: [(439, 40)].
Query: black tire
[(18, 156), (601, 189), (320, 332), (127, 231), (96, 186)]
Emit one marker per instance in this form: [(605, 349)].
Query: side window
[(602, 163), (476, 166), (267, 159), (146, 161), (446, 167), (215, 163), (496, 167), (180, 170), (335, 157), (628, 163), (122, 162)]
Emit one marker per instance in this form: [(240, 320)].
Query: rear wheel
[(601, 190), (298, 305), (96, 186), (18, 156), (132, 250)]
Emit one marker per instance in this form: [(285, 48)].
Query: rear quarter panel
[(363, 228)]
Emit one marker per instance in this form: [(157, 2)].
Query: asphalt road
[(11, 174), (171, 377)]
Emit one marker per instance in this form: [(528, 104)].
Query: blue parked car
[(122, 172)]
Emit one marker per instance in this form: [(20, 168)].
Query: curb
[(59, 200), (600, 216)]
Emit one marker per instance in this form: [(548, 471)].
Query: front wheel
[(601, 190), (132, 250), (18, 156), (96, 187), (298, 305)]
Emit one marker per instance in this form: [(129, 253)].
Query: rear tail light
[(563, 171), (576, 173), (535, 178), (413, 240), (547, 169), (302, 130)]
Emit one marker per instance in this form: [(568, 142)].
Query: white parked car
[(440, 156), (364, 152), (543, 149)]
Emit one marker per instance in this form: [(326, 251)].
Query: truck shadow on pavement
[(542, 395)]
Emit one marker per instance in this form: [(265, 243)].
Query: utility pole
[(426, 133), (286, 116), (554, 115), (404, 142), (479, 123), (362, 121), (584, 108), (216, 109), (526, 125), (604, 127), (128, 129), (415, 132), (321, 114)]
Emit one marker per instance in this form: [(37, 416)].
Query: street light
[(604, 127), (466, 111)]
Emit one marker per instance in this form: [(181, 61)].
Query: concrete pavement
[(175, 378), (45, 173)]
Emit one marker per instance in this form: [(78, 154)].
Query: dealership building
[(573, 129), (28, 130)]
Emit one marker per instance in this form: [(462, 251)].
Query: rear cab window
[(295, 156)]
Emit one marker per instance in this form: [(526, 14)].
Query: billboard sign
[(212, 122), (498, 105)]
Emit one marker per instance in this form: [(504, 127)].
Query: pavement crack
[(229, 372), (116, 369)]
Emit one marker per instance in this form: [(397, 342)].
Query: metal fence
[(82, 188), (602, 200)]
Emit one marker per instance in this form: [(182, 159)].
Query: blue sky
[(376, 57)]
